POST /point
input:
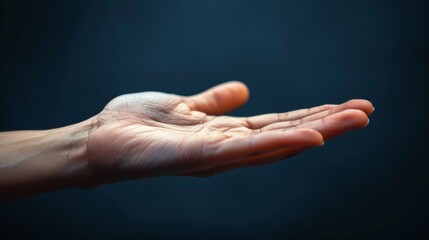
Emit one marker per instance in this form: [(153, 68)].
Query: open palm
[(151, 133)]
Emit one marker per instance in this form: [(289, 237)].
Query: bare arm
[(156, 134), (40, 161)]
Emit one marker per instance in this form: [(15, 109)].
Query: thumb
[(219, 99)]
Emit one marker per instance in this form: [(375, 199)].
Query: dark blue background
[(62, 61)]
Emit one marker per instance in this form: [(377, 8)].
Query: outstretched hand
[(152, 133)]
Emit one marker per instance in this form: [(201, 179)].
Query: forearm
[(39, 161)]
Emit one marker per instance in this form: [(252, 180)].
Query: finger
[(263, 142), (219, 99), (324, 110), (260, 121), (261, 159), (358, 104), (336, 124), (353, 104)]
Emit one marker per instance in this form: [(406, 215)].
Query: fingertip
[(361, 104), (372, 110), (240, 89), (354, 118), (311, 136)]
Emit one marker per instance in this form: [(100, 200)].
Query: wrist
[(39, 161), (75, 137)]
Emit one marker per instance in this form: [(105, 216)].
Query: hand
[(152, 133)]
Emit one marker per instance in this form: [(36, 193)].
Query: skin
[(157, 134)]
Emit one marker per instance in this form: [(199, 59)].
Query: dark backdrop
[(62, 61)]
